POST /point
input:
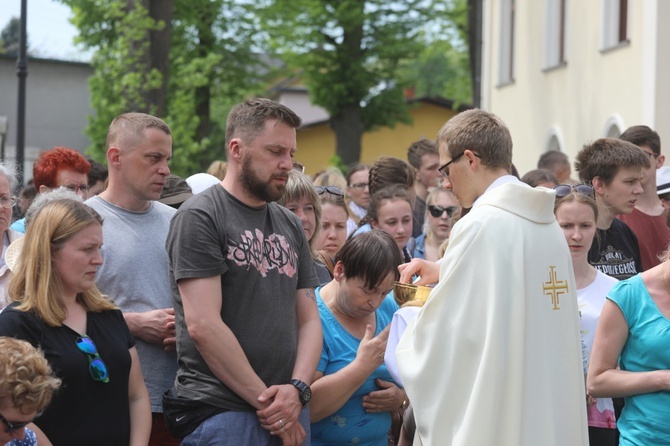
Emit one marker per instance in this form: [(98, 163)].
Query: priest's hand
[(388, 398), (429, 272)]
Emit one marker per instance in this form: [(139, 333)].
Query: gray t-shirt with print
[(135, 276), (262, 257)]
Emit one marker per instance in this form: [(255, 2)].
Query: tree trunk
[(203, 94), (160, 10), (348, 128), (156, 57)]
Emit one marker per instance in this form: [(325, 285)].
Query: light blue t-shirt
[(351, 424), (363, 229), (19, 226), (645, 418)]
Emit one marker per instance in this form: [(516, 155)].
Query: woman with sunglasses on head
[(577, 214), (332, 176), (57, 307), (441, 207), (302, 198)]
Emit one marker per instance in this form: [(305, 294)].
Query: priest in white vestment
[(494, 356)]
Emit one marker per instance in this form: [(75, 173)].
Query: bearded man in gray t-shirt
[(248, 330)]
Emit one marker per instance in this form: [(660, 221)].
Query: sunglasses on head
[(333, 190), (96, 366), (13, 426), (437, 211), (565, 189)]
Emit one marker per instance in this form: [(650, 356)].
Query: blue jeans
[(239, 429)]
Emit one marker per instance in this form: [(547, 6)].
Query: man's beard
[(256, 187)]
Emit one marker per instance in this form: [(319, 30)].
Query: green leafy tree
[(182, 60), (441, 70), (123, 79), (9, 37), (443, 67), (351, 53), (213, 68)]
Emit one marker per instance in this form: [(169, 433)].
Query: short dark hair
[(247, 119), (604, 157), (97, 173), (370, 256), (353, 169), (29, 192), (420, 148), (641, 135), (536, 176), (552, 159)]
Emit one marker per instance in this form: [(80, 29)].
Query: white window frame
[(555, 36), (612, 35), (614, 127), (506, 43)]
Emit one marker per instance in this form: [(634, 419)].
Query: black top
[(418, 217), (615, 251), (83, 411)]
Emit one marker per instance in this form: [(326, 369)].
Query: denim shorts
[(239, 428)]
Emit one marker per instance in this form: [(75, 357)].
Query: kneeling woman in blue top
[(353, 394)]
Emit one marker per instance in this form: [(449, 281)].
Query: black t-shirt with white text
[(615, 251)]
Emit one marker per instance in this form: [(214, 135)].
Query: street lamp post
[(22, 73), (3, 135)]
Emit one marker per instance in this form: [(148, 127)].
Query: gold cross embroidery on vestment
[(554, 287)]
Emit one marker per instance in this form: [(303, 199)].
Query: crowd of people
[(254, 304)]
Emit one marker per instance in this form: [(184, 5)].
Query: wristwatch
[(304, 392)]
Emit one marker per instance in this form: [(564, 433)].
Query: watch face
[(307, 395)]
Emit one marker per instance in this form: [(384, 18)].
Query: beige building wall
[(592, 92), (661, 90)]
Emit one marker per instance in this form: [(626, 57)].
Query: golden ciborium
[(405, 292)]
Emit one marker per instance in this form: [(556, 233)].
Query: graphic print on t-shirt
[(264, 254), (615, 264)]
